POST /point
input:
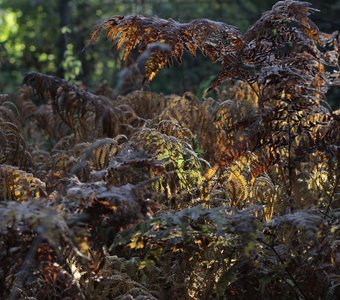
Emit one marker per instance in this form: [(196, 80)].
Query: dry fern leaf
[(51, 122), (25, 105), (286, 25), (172, 128), (182, 110), (214, 39), (182, 165), (95, 156), (19, 185), (88, 115), (12, 146), (284, 31), (101, 151), (147, 105)]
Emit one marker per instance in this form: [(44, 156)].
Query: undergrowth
[(147, 196)]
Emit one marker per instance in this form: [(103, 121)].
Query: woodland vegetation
[(126, 193)]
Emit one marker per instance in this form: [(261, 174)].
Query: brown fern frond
[(182, 110), (147, 105), (181, 163), (12, 146), (45, 86), (286, 25), (51, 122), (88, 115), (74, 106), (133, 165), (19, 185), (171, 128), (214, 39), (100, 152), (26, 106), (281, 32)]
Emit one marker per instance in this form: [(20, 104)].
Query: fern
[(82, 111), (211, 38), (167, 196), (12, 147), (287, 25)]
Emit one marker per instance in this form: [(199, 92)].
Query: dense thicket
[(48, 37), (147, 196)]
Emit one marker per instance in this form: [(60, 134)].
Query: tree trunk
[(64, 15)]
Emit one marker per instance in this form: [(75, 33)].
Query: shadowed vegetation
[(152, 196)]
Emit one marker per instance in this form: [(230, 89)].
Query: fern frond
[(282, 32), (83, 111), (19, 185), (178, 158), (213, 39), (12, 145)]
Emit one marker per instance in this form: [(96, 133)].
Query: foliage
[(147, 196), (48, 36)]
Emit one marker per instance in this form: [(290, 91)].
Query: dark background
[(48, 36)]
